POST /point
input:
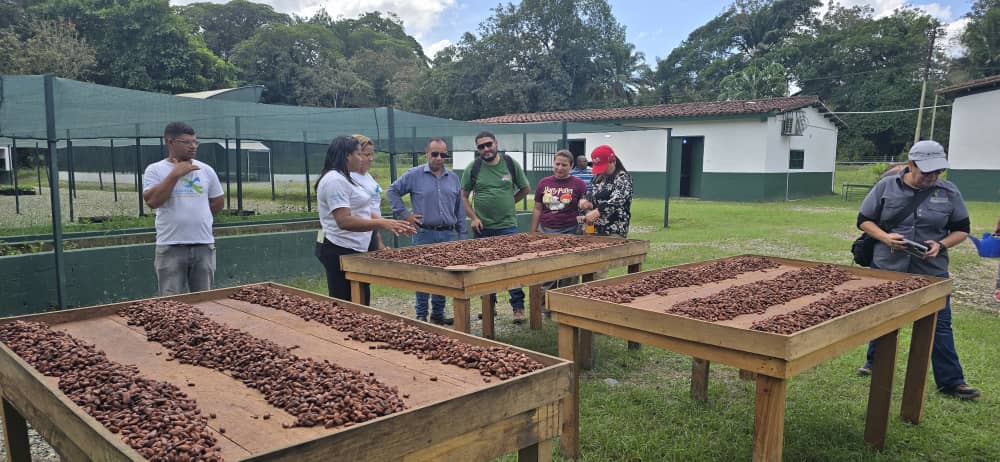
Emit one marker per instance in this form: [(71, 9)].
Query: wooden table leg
[(461, 308), (358, 293), (535, 305), (489, 307), (635, 268), (769, 419), (538, 452), (586, 337), (921, 344), (699, 379), (569, 440), (586, 345), (880, 394), (15, 434)]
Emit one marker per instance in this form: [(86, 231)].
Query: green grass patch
[(649, 416)]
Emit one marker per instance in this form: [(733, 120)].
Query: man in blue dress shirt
[(436, 195)]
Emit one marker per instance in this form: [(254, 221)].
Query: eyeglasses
[(488, 144), (443, 155), (187, 142)]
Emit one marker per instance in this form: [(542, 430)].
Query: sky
[(654, 26)]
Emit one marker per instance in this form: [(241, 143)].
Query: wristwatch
[(941, 243)]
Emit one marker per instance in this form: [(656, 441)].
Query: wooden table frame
[(463, 285), (520, 414), (771, 359)]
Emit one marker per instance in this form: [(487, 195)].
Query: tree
[(142, 44), (224, 26), (278, 56), (747, 30), (982, 40), (856, 62), (757, 80), (535, 56), (48, 47)]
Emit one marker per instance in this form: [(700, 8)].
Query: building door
[(578, 148), (688, 156)]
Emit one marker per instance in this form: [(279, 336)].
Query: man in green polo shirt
[(495, 183)]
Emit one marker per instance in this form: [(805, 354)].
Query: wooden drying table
[(456, 417), (462, 283), (774, 358)]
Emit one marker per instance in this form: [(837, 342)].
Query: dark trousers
[(516, 295), (944, 358), (337, 285)]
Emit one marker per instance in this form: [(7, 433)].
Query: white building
[(767, 149), (974, 146)]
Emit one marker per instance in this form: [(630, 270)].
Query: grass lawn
[(647, 414)]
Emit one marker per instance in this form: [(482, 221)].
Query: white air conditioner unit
[(794, 123), (5, 159)]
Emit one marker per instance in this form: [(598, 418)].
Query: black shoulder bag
[(863, 248)]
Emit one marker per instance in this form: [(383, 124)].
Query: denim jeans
[(184, 268), (944, 358), (516, 295), (430, 236)]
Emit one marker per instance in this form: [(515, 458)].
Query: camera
[(915, 248)]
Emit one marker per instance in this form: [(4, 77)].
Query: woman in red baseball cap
[(609, 202)]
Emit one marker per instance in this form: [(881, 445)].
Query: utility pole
[(923, 90)]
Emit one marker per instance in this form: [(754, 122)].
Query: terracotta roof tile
[(971, 86), (665, 111)]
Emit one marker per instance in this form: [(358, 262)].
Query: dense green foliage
[(527, 57)]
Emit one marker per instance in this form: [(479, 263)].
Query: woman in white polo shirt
[(367, 181), (345, 213)]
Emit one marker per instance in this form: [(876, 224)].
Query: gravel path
[(36, 210)]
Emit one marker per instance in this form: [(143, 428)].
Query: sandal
[(519, 316)]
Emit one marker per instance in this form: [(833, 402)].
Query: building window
[(796, 159)]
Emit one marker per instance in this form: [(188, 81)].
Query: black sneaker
[(422, 318), (442, 321), (962, 391)]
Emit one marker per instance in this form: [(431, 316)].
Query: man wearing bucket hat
[(940, 221)]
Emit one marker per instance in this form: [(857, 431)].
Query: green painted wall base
[(765, 186), (111, 274), (977, 185)]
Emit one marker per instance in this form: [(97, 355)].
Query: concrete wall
[(974, 150)]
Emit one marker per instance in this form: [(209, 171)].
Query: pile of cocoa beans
[(316, 393), (757, 297), (492, 361), (155, 418), (838, 304), (479, 251), (659, 282)]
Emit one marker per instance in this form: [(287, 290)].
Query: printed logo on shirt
[(189, 186), (940, 197), (506, 177), (556, 198)]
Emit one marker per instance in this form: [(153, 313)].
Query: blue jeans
[(430, 236), (944, 358), (516, 295)]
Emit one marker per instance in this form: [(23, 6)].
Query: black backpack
[(478, 165)]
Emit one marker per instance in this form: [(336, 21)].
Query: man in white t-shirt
[(185, 193)]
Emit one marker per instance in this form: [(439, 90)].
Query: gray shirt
[(437, 198), (929, 222)]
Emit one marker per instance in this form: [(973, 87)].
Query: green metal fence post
[(13, 168), (57, 238), (305, 158), (71, 177), (114, 173), (564, 143), (666, 194), (138, 167), (524, 165), (239, 171), (229, 184)]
